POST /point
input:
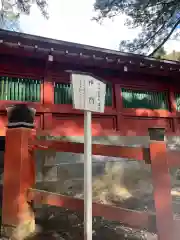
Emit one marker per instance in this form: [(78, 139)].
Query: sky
[(71, 21)]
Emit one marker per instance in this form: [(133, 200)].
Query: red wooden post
[(48, 100), (18, 172), (162, 185), (118, 104)]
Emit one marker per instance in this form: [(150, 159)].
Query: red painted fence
[(19, 172)]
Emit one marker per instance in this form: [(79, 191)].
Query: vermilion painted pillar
[(48, 100), (18, 172), (162, 185)]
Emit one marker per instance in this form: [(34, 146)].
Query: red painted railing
[(19, 142)]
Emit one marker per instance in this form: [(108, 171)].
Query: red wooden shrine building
[(141, 93)]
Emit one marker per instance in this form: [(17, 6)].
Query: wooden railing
[(135, 153), (155, 154), (142, 220)]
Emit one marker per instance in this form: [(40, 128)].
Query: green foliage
[(160, 54), (24, 6), (157, 19), (10, 11), (9, 21)]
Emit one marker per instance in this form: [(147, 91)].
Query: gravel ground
[(57, 223)]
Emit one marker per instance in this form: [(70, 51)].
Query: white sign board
[(88, 93)]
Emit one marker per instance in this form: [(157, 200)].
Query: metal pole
[(87, 176)]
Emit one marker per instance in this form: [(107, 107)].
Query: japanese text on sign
[(88, 93)]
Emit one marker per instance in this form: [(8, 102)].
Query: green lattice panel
[(20, 89), (109, 95), (177, 98), (144, 99), (63, 94)]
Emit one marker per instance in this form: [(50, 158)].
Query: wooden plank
[(75, 123), (64, 131), (147, 112), (125, 216), (139, 125), (97, 149), (69, 133), (54, 108)]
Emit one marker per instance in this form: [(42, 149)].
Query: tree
[(157, 19), (160, 53), (9, 21), (10, 11)]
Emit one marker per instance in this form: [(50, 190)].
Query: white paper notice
[(88, 93)]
